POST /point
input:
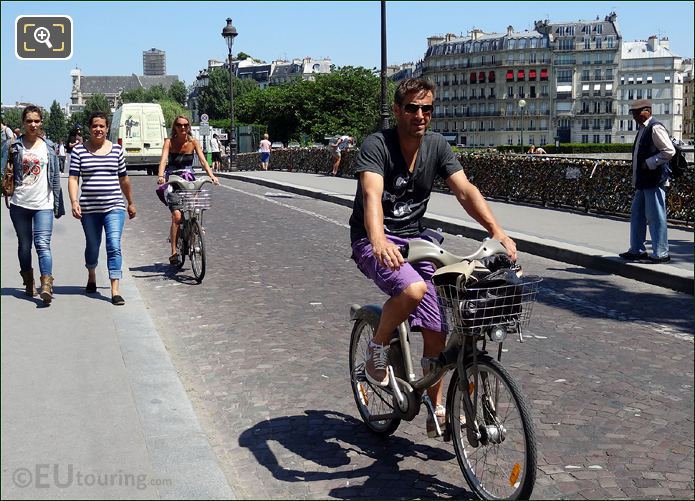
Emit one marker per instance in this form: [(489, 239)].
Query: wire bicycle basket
[(189, 200), (469, 310)]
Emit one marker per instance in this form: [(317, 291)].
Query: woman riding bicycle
[(177, 158)]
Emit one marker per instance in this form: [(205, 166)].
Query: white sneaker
[(377, 361)]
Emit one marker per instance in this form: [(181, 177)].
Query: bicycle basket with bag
[(472, 304)]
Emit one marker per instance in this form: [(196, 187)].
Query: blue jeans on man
[(111, 223), (37, 226), (649, 208)]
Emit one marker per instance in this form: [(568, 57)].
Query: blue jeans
[(649, 208), (111, 223), (36, 225)]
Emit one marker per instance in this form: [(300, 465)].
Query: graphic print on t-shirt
[(31, 167)]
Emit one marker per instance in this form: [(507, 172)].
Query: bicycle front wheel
[(197, 251), (181, 249), (371, 399), (503, 465)]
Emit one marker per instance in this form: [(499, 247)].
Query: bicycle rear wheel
[(197, 251), (371, 400), (503, 466)]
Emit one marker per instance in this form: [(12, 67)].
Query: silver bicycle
[(191, 199), (487, 416)]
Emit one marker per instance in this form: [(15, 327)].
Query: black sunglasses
[(179, 124), (412, 108)]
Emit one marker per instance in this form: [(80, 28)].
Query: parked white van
[(140, 129)]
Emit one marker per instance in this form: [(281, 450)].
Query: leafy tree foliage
[(172, 109), (214, 98), (178, 92), (346, 101), (56, 125), (12, 117), (96, 102)]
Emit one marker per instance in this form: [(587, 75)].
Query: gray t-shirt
[(405, 195)]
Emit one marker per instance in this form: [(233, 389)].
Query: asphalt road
[(261, 347)]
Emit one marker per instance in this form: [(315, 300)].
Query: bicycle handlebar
[(423, 250)]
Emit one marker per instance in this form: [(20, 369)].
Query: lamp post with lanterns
[(229, 33)]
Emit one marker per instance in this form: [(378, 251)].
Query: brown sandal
[(174, 259)]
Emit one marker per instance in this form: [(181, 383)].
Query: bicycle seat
[(182, 184)]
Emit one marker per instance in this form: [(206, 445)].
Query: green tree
[(55, 124), (96, 102), (346, 101), (214, 98), (172, 109), (178, 92), (136, 95), (12, 117)]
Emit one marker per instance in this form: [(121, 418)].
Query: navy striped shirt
[(101, 191)]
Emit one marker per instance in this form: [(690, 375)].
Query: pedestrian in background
[(74, 138), (36, 200), (7, 134), (100, 165), (60, 149), (215, 148), (264, 147), (338, 147), (651, 153)]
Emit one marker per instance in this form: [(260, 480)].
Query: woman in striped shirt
[(100, 207)]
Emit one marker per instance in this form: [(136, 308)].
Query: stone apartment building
[(560, 82), (650, 70)]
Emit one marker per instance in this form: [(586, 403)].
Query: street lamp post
[(384, 83), (522, 104), (229, 33)]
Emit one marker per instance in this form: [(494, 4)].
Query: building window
[(622, 125), (585, 138), (587, 43), (629, 125), (532, 75), (610, 42), (649, 93), (491, 77), (667, 78), (520, 76), (639, 93), (521, 91), (510, 91), (599, 28), (607, 139), (597, 42), (472, 78), (481, 77), (510, 75), (649, 79)]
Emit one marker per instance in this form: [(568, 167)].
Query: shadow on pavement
[(19, 294), (160, 271), (307, 436), (588, 297)]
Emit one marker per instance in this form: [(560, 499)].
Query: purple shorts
[(427, 315)]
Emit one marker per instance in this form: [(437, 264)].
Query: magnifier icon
[(42, 35)]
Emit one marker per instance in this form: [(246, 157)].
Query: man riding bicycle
[(397, 168)]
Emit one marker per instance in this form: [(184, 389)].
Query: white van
[(140, 129)]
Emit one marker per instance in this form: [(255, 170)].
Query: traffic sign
[(204, 117), (204, 129), (221, 136)]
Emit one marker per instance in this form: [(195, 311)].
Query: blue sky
[(111, 36)]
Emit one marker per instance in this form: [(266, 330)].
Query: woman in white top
[(36, 200)]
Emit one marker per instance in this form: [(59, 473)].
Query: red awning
[(481, 77), (532, 74), (544, 74), (491, 76), (510, 75), (473, 79), (520, 75)]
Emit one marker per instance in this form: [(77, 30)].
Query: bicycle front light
[(497, 334)]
